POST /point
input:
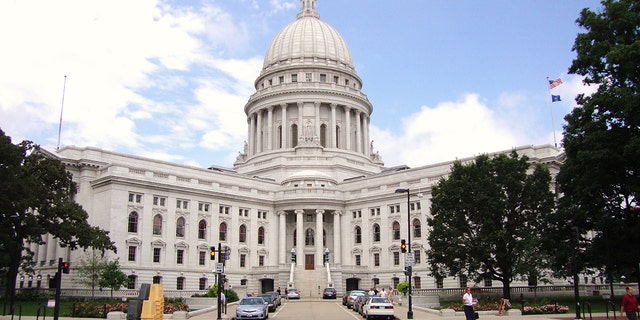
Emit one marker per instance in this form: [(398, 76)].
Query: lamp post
[(410, 311)]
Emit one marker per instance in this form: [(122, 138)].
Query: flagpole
[(64, 87), (553, 125)]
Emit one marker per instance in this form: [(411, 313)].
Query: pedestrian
[(383, 293), (223, 302), (391, 293), (629, 305), (501, 307), (467, 302), (279, 291)]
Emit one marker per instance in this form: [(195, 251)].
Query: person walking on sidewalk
[(467, 302), (629, 304)]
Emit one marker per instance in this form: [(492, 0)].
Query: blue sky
[(169, 79)]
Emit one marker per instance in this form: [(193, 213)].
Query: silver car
[(252, 308)]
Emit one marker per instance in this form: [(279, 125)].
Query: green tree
[(89, 269), (112, 276), (488, 218), (600, 178), (36, 198)]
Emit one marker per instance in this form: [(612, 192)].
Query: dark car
[(269, 299), (276, 298), (329, 293), (352, 297)]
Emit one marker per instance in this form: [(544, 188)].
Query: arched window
[(202, 229), (309, 238), (294, 135), (180, 227), (323, 135), (396, 230), (223, 232), (243, 233), (417, 228), (358, 234), (376, 232), (261, 235), (157, 225), (133, 222)]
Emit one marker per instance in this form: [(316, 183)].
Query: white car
[(378, 307), (293, 293)]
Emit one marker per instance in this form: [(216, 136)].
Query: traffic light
[(65, 267), (403, 246), (407, 271), (212, 253)]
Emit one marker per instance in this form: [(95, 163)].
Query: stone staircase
[(310, 283)]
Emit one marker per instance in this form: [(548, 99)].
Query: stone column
[(332, 130), (359, 131), (259, 131), (337, 239), (252, 134), (270, 128), (365, 131), (347, 129), (285, 125), (318, 240), (282, 238), (317, 111), (299, 237)]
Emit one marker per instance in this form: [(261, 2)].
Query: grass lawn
[(30, 308)]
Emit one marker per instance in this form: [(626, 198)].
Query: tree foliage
[(36, 199), (488, 218), (600, 178), (112, 276), (89, 269)]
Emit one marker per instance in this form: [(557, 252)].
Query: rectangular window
[(394, 208), (180, 283), (396, 258), (439, 282), (202, 257), (244, 212), (180, 256), (336, 79), (156, 255), (202, 284), (416, 256), (323, 77), (261, 261), (346, 82), (132, 253), (308, 77), (203, 206), (270, 82), (262, 214), (182, 204), (224, 209), (357, 259), (135, 197), (374, 212), (243, 260), (294, 78), (488, 282), (416, 281), (159, 201), (281, 79), (132, 282), (415, 206), (376, 259), (463, 281)]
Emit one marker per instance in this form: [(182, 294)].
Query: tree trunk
[(506, 290), (12, 273)]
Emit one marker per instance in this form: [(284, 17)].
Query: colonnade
[(284, 249), (265, 137)]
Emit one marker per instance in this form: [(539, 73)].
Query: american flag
[(554, 83)]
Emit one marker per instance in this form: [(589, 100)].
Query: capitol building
[(308, 183)]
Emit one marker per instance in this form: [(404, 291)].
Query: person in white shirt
[(383, 293), (467, 302)]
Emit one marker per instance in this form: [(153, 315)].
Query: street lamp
[(326, 255), (410, 311), (293, 255)]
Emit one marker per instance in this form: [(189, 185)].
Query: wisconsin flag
[(555, 98), (554, 83)]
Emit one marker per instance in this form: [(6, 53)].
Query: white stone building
[(308, 180)]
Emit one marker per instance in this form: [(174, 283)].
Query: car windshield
[(379, 300), (267, 297), (357, 294), (252, 301), (292, 290)]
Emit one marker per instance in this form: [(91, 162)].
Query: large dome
[(308, 37)]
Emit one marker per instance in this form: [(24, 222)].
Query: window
[(243, 282), (294, 78), (261, 235), (182, 204), (270, 82), (224, 209), (202, 257), (415, 206), (202, 284), (180, 256), (157, 225), (243, 260), (376, 233), (346, 82), (323, 77), (376, 282), (374, 212), (243, 233), (281, 79), (223, 232), (309, 217), (357, 259), (394, 208), (133, 222), (180, 227), (308, 77), (157, 279), (244, 212), (203, 206), (132, 281), (395, 281), (135, 197), (323, 135), (202, 229), (336, 79), (488, 282), (416, 281), (159, 201), (439, 282), (462, 281), (396, 230), (262, 214), (416, 256), (309, 237), (358, 234), (294, 135), (417, 228), (396, 258), (376, 259), (357, 214), (156, 255), (132, 253), (261, 261)]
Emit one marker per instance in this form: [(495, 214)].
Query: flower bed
[(545, 309), (99, 308)]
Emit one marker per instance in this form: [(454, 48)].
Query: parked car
[(252, 308), (270, 301), (344, 298), (329, 293), (378, 307), (358, 303), (276, 298), (293, 293), (352, 296)]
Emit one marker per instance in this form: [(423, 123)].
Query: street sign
[(219, 267), (408, 260)]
